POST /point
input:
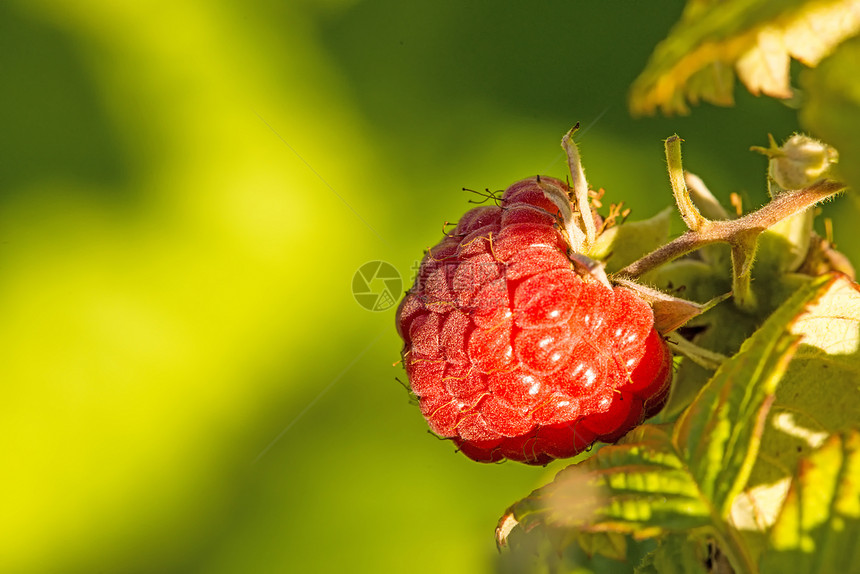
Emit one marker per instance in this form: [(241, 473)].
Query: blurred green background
[(186, 190)]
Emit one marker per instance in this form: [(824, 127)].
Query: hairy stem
[(736, 231), (744, 246)]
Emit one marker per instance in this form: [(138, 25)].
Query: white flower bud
[(800, 162)]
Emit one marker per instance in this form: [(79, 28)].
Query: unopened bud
[(799, 162)]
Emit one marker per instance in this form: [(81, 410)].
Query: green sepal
[(623, 244)]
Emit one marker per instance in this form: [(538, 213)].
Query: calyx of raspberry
[(669, 312)]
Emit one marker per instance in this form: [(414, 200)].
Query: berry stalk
[(728, 231)]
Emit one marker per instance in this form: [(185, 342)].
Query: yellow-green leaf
[(677, 554), (720, 432), (819, 396), (818, 529), (754, 38), (639, 485), (609, 544)]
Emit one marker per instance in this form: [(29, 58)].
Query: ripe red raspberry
[(513, 353)]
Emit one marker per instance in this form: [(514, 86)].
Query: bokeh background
[(186, 191)]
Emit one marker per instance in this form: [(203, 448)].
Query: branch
[(736, 231)]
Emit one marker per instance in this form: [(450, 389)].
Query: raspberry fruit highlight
[(513, 351)]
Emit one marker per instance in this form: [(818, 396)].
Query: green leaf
[(630, 487), (756, 38), (832, 110), (724, 328), (818, 529), (818, 397), (719, 434), (549, 551), (677, 554), (609, 544)]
